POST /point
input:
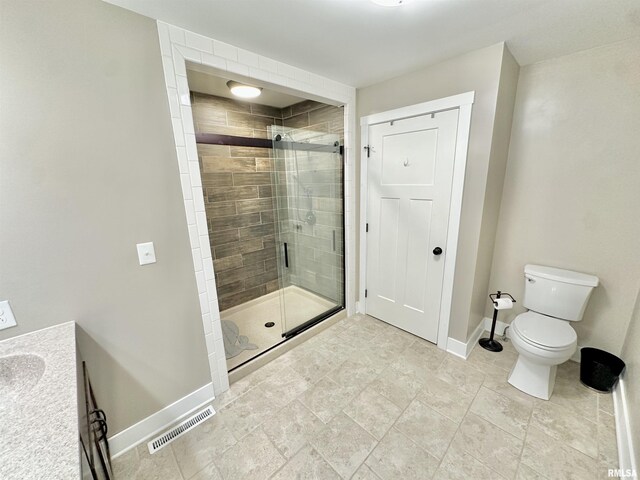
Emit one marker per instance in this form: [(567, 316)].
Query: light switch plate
[(146, 253), (6, 315)]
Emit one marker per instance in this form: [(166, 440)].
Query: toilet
[(543, 336)]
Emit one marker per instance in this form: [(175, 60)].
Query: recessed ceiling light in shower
[(243, 91)]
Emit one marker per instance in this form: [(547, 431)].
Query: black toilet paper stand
[(489, 343)]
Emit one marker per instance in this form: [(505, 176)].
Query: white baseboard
[(500, 326), (457, 348), (146, 428), (626, 452), (462, 349), (576, 355)]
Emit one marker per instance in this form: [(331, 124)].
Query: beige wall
[(572, 190), (631, 357), (493, 192), (87, 170), (478, 71)]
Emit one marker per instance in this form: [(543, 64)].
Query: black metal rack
[(489, 343)]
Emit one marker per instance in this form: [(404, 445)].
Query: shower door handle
[(286, 256)]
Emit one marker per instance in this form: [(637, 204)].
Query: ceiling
[(359, 43)]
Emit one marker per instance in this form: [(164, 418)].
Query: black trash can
[(599, 370)]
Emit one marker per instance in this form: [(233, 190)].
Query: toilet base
[(532, 378)]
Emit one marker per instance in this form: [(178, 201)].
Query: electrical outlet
[(6, 315)]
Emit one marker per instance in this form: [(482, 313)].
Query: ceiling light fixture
[(390, 3), (243, 91)]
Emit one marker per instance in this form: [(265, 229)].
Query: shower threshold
[(251, 317)]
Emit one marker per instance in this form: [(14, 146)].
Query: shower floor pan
[(301, 306)]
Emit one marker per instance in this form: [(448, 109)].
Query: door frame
[(462, 102)]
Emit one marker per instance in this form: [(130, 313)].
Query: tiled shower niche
[(244, 186)]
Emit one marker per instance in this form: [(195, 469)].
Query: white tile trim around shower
[(178, 46)]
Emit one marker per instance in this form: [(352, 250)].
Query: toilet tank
[(557, 293)]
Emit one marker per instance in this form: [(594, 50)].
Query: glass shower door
[(309, 224)]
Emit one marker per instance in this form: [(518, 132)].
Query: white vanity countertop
[(39, 436)]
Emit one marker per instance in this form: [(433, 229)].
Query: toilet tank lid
[(559, 275)]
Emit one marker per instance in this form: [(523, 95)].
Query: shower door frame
[(338, 308), (179, 46)]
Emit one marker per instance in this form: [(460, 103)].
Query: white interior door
[(410, 173)]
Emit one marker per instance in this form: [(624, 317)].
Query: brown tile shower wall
[(315, 116), (238, 194)]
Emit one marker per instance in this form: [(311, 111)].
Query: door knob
[(437, 251)]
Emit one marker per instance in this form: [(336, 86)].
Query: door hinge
[(368, 149), (365, 293), (367, 228)]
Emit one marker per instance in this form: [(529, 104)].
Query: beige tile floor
[(366, 401)]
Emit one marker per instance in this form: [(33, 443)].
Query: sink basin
[(19, 374)]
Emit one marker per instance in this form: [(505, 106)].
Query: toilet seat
[(546, 333)]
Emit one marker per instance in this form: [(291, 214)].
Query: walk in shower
[(273, 188)]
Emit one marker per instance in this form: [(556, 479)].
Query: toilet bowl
[(543, 336), (542, 343)]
